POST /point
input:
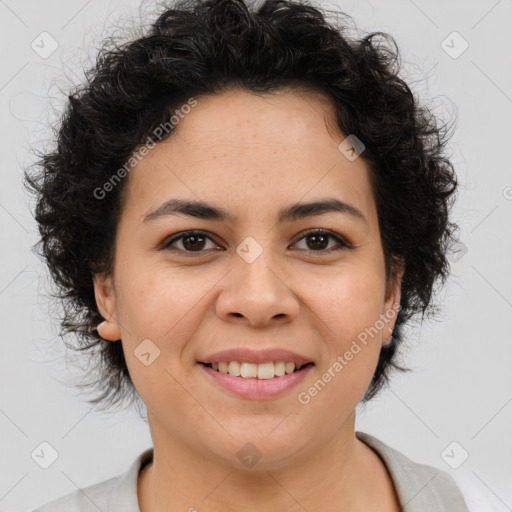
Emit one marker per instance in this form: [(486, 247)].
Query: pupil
[(193, 245), (317, 236)]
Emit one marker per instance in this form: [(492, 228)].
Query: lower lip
[(257, 389)]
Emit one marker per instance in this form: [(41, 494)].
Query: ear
[(392, 299), (104, 293)]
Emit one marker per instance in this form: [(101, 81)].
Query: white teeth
[(248, 370), (279, 369), (289, 367), (267, 370), (234, 368)]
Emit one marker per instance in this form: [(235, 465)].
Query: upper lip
[(257, 356)]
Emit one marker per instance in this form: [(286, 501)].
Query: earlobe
[(106, 304), (109, 330)]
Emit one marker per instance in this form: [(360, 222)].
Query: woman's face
[(252, 280)]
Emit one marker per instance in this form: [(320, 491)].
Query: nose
[(257, 293)]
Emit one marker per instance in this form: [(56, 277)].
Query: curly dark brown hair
[(199, 47)]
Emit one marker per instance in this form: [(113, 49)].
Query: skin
[(252, 155)]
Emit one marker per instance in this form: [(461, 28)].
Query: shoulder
[(419, 486), (89, 499), (118, 493)]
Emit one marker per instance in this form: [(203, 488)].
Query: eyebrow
[(290, 213)]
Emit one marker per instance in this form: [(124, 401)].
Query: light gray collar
[(420, 488)]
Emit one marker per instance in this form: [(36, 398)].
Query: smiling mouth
[(262, 371)]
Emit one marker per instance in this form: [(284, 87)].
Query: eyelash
[(343, 244)]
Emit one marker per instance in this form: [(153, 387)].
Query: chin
[(261, 449)]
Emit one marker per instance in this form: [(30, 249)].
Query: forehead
[(236, 116), (263, 150)]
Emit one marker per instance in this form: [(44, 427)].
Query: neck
[(343, 475)]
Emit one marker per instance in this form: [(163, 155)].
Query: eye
[(195, 241), (320, 238), (192, 241)]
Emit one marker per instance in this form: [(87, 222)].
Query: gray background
[(461, 385)]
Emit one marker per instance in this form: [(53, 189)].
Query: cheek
[(158, 311), (157, 301), (347, 310), (348, 326), (346, 302)]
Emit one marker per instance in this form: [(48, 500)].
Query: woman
[(244, 209)]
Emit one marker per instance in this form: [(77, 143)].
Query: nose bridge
[(256, 289), (258, 266)]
